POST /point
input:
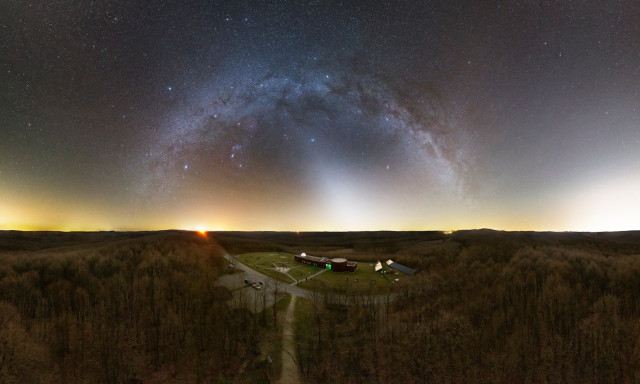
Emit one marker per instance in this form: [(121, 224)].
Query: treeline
[(318, 243), (510, 309), (145, 310)]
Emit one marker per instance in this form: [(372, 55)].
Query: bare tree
[(277, 285)]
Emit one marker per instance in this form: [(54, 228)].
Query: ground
[(282, 266), (290, 372), (278, 265)]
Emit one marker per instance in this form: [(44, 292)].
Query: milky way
[(256, 127), (319, 115)]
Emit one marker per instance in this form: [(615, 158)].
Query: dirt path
[(310, 277), (290, 373)]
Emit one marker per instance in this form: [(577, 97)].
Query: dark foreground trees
[(136, 311), (513, 309), (480, 311)]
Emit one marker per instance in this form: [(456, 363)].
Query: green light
[(328, 266)]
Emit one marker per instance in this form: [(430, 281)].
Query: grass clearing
[(302, 271), (267, 262), (274, 274), (358, 281)]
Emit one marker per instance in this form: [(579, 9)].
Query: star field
[(319, 115)]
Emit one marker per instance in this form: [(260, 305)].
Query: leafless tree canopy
[(484, 307)]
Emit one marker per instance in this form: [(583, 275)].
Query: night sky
[(320, 115)]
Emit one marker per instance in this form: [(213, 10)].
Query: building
[(343, 265), (336, 265), (401, 268), (319, 262)]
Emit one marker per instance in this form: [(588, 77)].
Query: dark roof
[(402, 268), (314, 258)]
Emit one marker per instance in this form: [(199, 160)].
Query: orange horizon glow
[(605, 206), (205, 233)]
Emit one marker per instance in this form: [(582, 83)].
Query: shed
[(399, 267)]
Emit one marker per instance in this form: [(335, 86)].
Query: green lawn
[(274, 274), (266, 262), (301, 271), (358, 281)]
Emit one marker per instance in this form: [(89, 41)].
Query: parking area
[(247, 296)]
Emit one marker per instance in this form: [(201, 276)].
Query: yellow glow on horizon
[(603, 205)]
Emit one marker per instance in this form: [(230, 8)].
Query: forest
[(124, 308), (485, 307), (489, 307)]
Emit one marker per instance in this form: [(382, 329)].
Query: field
[(364, 279), (282, 266), (279, 265)]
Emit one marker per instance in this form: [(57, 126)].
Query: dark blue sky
[(322, 115)]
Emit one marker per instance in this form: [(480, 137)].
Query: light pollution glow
[(607, 206)]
